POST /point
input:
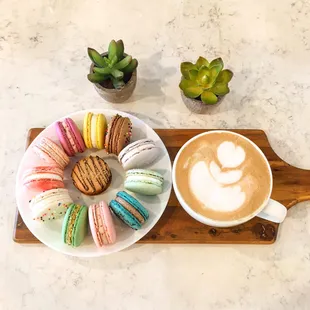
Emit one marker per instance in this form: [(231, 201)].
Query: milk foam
[(230, 155), (228, 177), (212, 194), (217, 189)]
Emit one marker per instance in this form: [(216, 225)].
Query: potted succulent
[(203, 83), (113, 73)]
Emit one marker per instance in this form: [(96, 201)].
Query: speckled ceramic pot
[(116, 95), (197, 106)]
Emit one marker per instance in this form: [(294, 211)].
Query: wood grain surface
[(291, 185)]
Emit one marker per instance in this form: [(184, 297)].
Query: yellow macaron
[(87, 129), (101, 127), (94, 128)]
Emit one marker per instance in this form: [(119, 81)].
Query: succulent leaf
[(117, 74), (120, 49), (193, 92), (217, 62), (113, 61), (118, 84), (131, 67), (225, 76), (214, 72), (186, 67), (106, 61), (102, 70), (123, 63), (208, 97), (220, 89), (190, 88), (187, 83), (96, 77), (112, 49), (96, 58), (193, 74), (203, 77), (202, 62)]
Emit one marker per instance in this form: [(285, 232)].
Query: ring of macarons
[(91, 176)]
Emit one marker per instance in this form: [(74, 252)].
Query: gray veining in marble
[(43, 67)]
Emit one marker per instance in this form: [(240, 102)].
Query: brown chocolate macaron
[(118, 134), (91, 175)]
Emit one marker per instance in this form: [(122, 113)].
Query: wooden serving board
[(291, 185)]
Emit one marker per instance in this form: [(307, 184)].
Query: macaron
[(94, 128), (50, 205), (43, 178), (145, 182), (118, 134), (51, 152), (91, 175), (75, 224), (129, 210), (101, 224), (70, 137), (138, 154)]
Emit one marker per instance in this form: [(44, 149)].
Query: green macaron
[(143, 181), (74, 227)]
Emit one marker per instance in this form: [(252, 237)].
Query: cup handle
[(274, 212)]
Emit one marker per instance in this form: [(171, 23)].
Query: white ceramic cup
[(270, 210)]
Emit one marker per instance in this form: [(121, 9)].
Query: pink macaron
[(51, 152), (70, 137), (101, 224), (44, 178)]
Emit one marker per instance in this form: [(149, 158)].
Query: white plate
[(49, 232)]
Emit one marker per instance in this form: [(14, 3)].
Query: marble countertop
[(43, 67)]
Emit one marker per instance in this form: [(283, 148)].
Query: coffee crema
[(222, 176)]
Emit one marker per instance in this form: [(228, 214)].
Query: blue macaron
[(129, 210)]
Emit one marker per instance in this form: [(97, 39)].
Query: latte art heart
[(211, 193), (228, 177), (212, 186), (230, 155)]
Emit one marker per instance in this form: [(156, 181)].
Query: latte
[(222, 176)]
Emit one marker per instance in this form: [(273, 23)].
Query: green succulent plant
[(114, 66), (204, 80)]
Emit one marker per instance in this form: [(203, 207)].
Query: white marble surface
[(43, 67)]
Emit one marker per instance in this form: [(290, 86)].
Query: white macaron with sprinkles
[(50, 205)]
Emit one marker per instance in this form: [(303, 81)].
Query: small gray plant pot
[(116, 95), (197, 106)]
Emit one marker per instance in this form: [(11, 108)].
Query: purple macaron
[(139, 154), (70, 137)]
